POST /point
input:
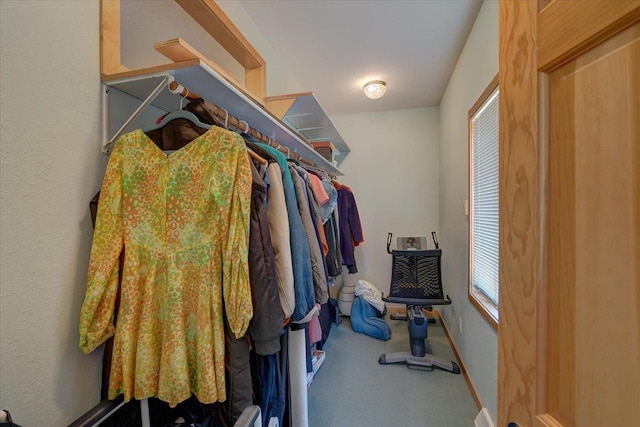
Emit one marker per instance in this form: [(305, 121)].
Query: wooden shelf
[(200, 78), (303, 112)]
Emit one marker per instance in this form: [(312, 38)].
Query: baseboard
[(436, 314)]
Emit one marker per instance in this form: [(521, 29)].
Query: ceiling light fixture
[(375, 89)]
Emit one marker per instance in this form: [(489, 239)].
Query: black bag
[(9, 422)]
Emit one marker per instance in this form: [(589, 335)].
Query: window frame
[(487, 308)]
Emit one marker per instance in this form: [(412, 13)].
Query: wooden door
[(569, 332)]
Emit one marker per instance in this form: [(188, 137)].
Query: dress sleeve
[(97, 314), (235, 268)]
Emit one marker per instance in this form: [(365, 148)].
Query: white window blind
[(484, 199)]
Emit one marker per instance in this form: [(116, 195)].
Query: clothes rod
[(238, 124)]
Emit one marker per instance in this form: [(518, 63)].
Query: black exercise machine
[(416, 282)]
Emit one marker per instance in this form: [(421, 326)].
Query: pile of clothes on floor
[(367, 310)]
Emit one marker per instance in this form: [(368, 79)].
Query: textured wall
[(51, 164), (393, 169), (477, 65), (171, 21)]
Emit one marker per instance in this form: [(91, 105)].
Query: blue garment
[(364, 320), (270, 373), (317, 258), (314, 208), (300, 255)]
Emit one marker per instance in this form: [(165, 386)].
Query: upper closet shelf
[(303, 112), (198, 77)]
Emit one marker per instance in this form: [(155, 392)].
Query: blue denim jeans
[(270, 377)]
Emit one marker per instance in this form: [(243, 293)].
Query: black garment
[(175, 134), (267, 320), (350, 228), (308, 350), (238, 375), (328, 313), (190, 413), (334, 259)]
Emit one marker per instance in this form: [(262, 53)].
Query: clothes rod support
[(107, 145)]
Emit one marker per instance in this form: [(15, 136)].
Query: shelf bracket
[(107, 143)]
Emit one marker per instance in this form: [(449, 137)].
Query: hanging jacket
[(314, 206), (280, 238), (350, 228), (300, 256), (314, 209), (319, 279), (266, 323), (334, 260)]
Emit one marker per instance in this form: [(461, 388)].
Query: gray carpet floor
[(352, 390)]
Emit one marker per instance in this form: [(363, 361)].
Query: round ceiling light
[(375, 89)]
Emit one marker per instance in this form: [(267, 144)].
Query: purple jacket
[(350, 228)]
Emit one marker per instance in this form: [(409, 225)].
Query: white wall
[(51, 165), (280, 81), (476, 67), (171, 21), (393, 170)]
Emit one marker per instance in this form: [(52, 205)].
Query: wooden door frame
[(535, 38)]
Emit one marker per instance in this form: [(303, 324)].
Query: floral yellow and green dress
[(183, 223)]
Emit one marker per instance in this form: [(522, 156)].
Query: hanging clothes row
[(209, 244)]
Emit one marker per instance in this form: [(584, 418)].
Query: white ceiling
[(334, 47)]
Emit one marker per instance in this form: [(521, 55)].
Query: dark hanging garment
[(175, 134), (350, 228), (311, 238), (314, 208), (266, 324), (300, 255), (334, 261), (328, 316), (267, 320), (270, 383), (238, 375)]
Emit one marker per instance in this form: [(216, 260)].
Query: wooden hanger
[(257, 157)]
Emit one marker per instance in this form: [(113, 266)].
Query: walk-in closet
[(310, 213)]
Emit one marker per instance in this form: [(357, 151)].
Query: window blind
[(484, 207)]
